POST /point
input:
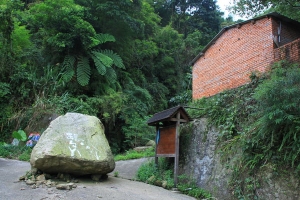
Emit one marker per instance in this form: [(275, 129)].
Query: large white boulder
[(74, 144)]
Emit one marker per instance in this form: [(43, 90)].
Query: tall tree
[(8, 11), (191, 15), (66, 36), (249, 8)]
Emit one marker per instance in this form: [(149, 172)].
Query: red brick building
[(228, 60)]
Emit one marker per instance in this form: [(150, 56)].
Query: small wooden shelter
[(167, 134)]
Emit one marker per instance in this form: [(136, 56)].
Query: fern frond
[(111, 75), (104, 59), (83, 71), (94, 42), (117, 60), (99, 65), (102, 38), (68, 66)]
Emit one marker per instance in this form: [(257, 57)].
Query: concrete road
[(127, 169), (113, 188)]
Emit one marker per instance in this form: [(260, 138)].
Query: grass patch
[(15, 152), (189, 187), (163, 175), (116, 174), (132, 154)]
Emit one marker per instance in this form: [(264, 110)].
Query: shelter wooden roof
[(169, 115)]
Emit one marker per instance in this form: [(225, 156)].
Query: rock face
[(201, 160), (75, 144)]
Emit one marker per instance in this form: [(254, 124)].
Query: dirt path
[(112, 188)]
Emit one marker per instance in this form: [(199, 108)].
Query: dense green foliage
[(163, 175), (259, 124), (15, 152), (121, 61), (133, 154), (275, 135), (254, 7)]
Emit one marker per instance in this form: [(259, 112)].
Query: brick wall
[(290, 51), (238, 51)]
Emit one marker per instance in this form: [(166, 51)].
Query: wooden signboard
[(166, 140), (167, 125)]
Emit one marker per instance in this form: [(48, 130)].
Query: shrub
[(163, 172), (146, 171), (275, 135), (15, 152), (157, 174)]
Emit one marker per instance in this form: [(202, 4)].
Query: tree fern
[(83, 71), (68, 66), (117, 60)]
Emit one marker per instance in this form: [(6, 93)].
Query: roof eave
[(207, 46), (155, 119)]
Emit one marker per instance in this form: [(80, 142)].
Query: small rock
[(54, 183), (33, 186), (151, 143), (48, 183), (38, 183), (67, 186), (158, 183), (63, 187), (30, 182), (41, 178), (22, 189), (50, 192), (33, 178), (22, 178)]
